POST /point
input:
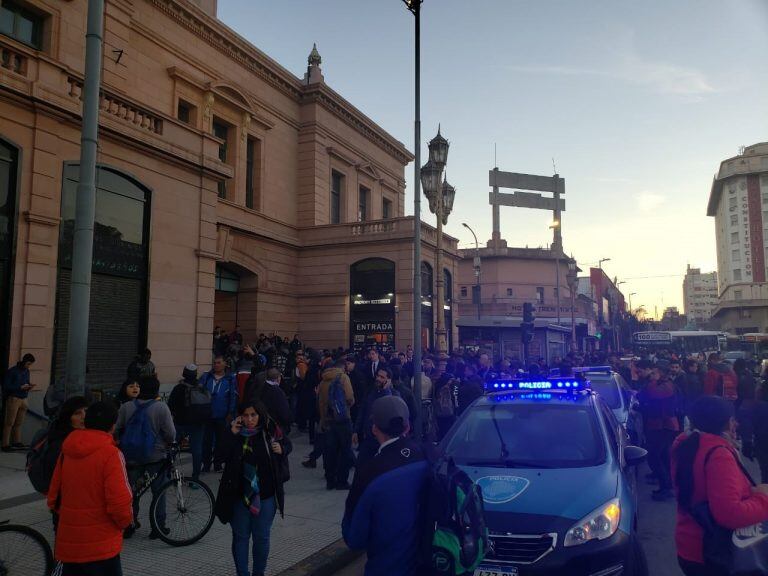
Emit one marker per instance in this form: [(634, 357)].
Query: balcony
[(394, 229)]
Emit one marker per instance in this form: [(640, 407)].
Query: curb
[(325, 562)]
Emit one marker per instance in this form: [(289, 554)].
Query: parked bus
[(679, 341)]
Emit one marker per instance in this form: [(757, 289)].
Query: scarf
[(251, 490)]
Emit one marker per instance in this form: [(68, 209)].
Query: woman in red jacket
[(705, 468)]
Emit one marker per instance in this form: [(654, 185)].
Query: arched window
[(448, 283), (118, 317), (372, 303), (427, 280)]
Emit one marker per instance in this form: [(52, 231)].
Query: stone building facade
[(229, 192)]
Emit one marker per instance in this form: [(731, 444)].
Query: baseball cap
[(390, 414)]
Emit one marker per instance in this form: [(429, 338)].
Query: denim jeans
[(135, 472), (195, 433), (246, 526)]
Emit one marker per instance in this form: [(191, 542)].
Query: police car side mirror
[(634, 455)]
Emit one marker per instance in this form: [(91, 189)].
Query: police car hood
[(570, 493)]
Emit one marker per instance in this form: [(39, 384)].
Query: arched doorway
[(8, 206), (448, 303), (117, 327), (372, 304), (427, 314), (236, 300)]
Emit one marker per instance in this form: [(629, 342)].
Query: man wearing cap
[(384, 509)]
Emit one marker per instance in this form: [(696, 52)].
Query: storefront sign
[(361, 301)]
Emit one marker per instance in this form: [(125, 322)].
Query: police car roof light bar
[(554, 384)]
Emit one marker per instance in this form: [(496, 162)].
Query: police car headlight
[(599, 525)]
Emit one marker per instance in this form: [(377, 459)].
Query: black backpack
[(41, 460), (456, 536), (197, 403)]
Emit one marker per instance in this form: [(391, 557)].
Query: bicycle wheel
[(24, 551), (182, 513)]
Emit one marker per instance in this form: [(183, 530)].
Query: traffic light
[(527, 332), (529, 313)]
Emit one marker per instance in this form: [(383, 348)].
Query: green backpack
[(458, 535)]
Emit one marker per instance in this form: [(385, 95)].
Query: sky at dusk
[(637, 102)]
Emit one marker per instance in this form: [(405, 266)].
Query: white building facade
[(739, 203), (700, 296)]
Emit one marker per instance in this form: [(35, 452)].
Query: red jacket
[(96, 497), (721, 380), (723, 484)]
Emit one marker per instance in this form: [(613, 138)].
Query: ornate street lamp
[(441, 196)]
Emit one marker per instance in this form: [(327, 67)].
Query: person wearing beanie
[(384, 512), (190, 405), (159, 416), (706, 469)]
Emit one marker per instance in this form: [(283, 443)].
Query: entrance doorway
[(236, 300), (8, 196)]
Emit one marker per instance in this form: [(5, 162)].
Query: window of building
[(735, 255), (362, 204), (337, 183), (737, 294), (253, 174), (734, 237), (226, 280), (221, 131), (734, 219), (21, 24), (540, 294), (386, 209), (463, 291), (737, 275), (732, 202), (185, 112), (510, 292)]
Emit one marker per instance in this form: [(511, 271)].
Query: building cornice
[(226, 41)]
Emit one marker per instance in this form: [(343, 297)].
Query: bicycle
[(187, 504), (24, 551)]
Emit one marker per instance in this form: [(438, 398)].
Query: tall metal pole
[(557, 282), (85, 206), (476, 267), (415, 7), (442, 341)]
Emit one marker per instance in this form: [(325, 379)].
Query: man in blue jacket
[(385, 507), (223, 388)]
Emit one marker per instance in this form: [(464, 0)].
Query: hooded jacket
[(324, 389), (91, 492), (724, 486), (722, 381)]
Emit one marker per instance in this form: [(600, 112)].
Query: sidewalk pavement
[(312, 521)]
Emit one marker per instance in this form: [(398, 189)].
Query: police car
[(557, 476)]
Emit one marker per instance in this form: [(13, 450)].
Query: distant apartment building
[(739, 203), (699, 296)]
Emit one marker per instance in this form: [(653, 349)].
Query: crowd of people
[(358, 408)]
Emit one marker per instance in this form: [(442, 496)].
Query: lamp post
[(440, 195), (476, 266), (572, 281), (600, 262), (556, 247), (630, 300), (414, 6)]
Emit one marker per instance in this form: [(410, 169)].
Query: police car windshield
[(546, 435), (606, 386)]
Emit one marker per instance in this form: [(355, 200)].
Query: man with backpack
[(145, 430), (720, 379), (335, 398), (222, 386), (190, 405), (385, 510)]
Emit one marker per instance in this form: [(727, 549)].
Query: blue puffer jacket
[(223, 396), (385, 509)]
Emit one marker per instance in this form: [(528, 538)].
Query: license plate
[(489, 571)]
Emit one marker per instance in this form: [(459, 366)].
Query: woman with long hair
[(251, 488), (706, 469)]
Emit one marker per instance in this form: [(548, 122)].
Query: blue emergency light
[(538, 384)]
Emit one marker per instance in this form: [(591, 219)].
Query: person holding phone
[(16, 388), (251, 488)]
